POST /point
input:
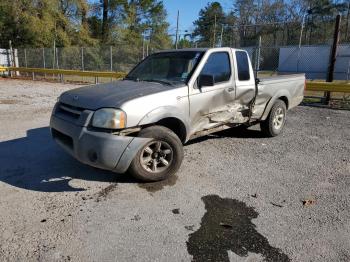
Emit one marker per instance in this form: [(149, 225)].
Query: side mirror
[(206, 80)]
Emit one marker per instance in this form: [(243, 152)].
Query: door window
[(242, 66), (218, 65)]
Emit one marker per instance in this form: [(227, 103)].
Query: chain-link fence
[(276, 48), (267, 60), (104, 58), (312, 60)]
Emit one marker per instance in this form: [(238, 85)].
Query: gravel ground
[(237, 197)]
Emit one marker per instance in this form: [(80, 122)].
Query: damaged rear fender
[(279, 94)]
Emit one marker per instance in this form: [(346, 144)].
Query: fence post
[(221, 35), (143, 47), (44, 62), (82, 62), (57, 64), (57, 58), (82, 58), (9, 61), (54, 57), (25, 57), (332, 58), (308, 12), (11, 56), (111, 57), (257, 58)]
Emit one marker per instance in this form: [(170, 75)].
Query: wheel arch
[(175, 125), (282, 95), (285, 100), (169, 117)]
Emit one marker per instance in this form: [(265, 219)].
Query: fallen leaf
[(309, 202)]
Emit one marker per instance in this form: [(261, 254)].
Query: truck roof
[(196, 49)]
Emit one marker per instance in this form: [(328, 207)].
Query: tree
[(37, 23), (184, 43), (320, 22), (208, 25), (105, 7), (144, 25)]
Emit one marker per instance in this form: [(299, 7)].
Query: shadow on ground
[(36, 163)]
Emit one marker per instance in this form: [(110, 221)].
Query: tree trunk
[(84, 22), (105, 25), (311, 27)]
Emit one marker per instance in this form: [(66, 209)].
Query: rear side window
[(218, 65), (242, 66)]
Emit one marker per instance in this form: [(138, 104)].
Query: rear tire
[(274, 123), (160, 158)]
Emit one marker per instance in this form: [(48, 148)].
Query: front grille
[(69, 110), (63, 138)]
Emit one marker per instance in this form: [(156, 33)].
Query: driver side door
[(208, 104)]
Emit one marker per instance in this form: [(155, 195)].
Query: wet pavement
[(227, 226)]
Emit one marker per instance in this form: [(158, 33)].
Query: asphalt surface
[(237, 197)]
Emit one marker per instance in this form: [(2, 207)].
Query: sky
[(189, 10)]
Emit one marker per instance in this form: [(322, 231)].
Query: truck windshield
[(167, 68)]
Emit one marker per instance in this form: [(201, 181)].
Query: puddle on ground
[(227, 226), (156, 186)]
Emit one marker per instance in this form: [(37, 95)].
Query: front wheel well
[(285, 100), (175, 125)]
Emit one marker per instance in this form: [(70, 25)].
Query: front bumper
[(98, 149)]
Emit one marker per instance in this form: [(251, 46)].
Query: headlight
[(109, 118)]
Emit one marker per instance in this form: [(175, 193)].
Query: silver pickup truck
[(141, 122)]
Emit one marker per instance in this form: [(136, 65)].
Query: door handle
[(230, 89)]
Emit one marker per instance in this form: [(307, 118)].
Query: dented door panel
[(211, 106), (245, 88)]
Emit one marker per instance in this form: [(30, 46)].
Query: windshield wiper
[(158, 81)]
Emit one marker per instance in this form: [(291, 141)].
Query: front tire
[(274, 123), (160, 158)]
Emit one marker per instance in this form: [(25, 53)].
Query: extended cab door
[(245, 81), (208, 103)]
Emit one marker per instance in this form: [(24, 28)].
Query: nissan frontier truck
[(140, 123)]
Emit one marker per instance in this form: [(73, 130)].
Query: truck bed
[(288, 87), (281, 78)]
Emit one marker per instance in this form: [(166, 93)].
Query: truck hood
[(112, 94)]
